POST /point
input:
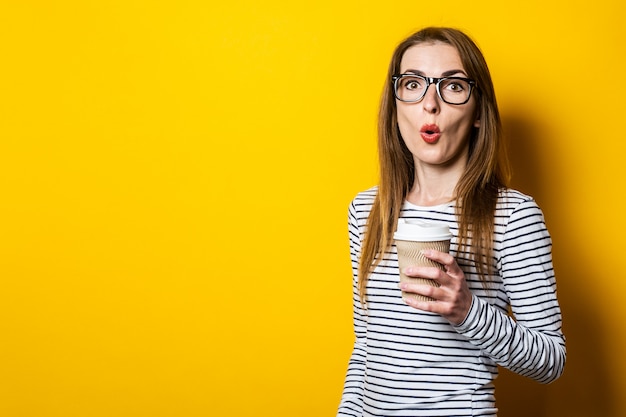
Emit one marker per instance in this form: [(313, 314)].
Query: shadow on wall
[(585, 388)]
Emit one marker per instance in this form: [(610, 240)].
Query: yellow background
[(175, 177)]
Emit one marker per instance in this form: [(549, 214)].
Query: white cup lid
[(421, 231)]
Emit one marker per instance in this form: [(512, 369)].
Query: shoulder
[(511, 196), (511, 200), (361, 206), (519, 209), (365, 199)]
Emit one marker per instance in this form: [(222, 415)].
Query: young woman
[(442, 159)]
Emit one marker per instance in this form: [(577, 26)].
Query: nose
[(430, 102)]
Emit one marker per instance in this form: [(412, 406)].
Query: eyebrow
[(448, 73)]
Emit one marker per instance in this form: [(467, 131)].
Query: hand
[(453, 297)]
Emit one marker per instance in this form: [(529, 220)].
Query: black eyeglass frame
[(429, 81)]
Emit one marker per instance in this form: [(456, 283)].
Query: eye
[(455, 85), (412, 83)]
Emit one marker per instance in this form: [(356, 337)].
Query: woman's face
[(436, 133)]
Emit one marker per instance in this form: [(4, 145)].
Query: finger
[(420, 289), (428, 272), (437, 293), (433, 306), (455, 316), (436, 275), (444, 259)]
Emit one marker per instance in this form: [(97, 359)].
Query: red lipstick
[(430, 133)]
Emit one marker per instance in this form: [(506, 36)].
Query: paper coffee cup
[(411, 237)]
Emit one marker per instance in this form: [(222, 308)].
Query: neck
[(433, 186)]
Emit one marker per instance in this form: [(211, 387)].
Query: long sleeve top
[(407, 362)]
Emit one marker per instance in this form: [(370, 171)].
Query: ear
[(477, 121)]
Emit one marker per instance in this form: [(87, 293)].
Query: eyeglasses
[(411, 88)]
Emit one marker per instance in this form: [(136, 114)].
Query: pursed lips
[(430, 133)]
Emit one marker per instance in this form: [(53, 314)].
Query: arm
[(352, 398), (532, 344)]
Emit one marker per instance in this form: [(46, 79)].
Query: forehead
[(431, 58)]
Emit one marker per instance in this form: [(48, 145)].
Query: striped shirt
[(407, 362)]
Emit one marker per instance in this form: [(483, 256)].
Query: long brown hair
[(486, 172)]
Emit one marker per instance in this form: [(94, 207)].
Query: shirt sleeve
[(531, 343), (352, 397)]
